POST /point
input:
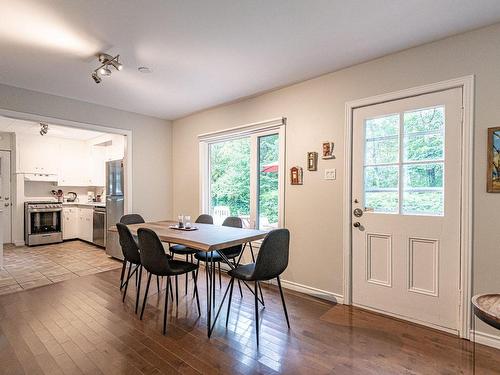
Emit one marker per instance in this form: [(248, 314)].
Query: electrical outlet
[(330, 174)]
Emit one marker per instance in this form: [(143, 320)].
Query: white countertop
[(87, 204)]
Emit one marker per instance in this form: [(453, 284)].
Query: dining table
[(206, 238)]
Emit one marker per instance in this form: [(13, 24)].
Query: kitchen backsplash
[(37, 189)]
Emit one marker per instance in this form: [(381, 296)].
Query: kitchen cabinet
[(78, 223), (85, 223), (115, 151), (97, 166), (73, 164), (36, 154), (70, 223)]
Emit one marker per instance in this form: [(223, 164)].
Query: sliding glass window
[(242, 175)]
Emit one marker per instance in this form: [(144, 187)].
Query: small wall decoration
[(328, 150), (493, 181), (312, 161), (296, 176)]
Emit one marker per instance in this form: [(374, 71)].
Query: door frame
[(466, 83), (128, 161)]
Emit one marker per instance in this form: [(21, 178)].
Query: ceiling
[(10, 125), (205, 53)]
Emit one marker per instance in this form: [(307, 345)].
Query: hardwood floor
[(29, 267), (81, 326)]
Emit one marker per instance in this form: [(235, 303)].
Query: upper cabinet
[(113, 144), (36, 154), (71, 162)]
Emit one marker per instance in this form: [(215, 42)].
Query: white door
[(406, 208), (5, 197)]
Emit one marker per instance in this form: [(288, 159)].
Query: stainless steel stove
[(42, 223)]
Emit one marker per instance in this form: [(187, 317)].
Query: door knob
[(357, 224)]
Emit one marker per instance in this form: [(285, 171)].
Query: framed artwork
[(328, 150), (312, 161), (493, 178), (296, 176)]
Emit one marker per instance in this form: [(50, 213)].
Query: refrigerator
[(114, 205)]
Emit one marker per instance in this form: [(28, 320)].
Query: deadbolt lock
[(358, 212)]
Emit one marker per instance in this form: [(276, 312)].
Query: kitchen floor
[(30, 267)]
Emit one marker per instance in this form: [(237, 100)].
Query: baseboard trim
[(315, 292), (19, 243), (485, 338)]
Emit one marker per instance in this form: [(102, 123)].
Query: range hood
[(40, 177)]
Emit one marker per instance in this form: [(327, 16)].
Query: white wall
[(315, 112), (152, 182)]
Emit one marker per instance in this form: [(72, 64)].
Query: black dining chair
[(127, 220), (156, 262), (231, 253), (187, 251), (271, 261)]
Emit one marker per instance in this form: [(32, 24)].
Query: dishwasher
[(99, 227)]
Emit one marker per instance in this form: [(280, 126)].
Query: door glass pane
[(381, 188), (423, 189), (268, 181), (382, 126), (230, 179), (424, 134), (382, 151), (382, 140), (424, 120)]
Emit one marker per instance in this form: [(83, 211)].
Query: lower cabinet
[(70, 223), (78, 223)]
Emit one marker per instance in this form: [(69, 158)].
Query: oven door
[(43, 226)]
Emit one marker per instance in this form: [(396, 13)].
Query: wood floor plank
[(81, 326)]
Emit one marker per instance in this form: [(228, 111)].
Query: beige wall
[(152, 157), (315, 112)]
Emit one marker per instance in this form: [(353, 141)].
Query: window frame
[(401, 162), (254, 132)]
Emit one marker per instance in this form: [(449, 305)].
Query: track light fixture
[(44, 128), (104, 69)]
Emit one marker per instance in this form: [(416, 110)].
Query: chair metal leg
[(166, 308), (138, 290), (187, 274), (256, 312), (239, 283), (176, 291), (196, 295), (261, 296), (171, 291), (158, 283), (220, 277), (124, 267), (126, 282), (230, 298), (283, 301), (195, 277), (145, 296), (213, 283)]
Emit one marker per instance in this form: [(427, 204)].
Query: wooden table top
[(207, 238)]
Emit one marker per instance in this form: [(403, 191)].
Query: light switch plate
[(330, 174)]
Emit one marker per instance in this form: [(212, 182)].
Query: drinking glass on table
[(180, 222), (187, 222)]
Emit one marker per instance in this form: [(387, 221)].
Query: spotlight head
[(96, 77), (105, 71), (44, 128)]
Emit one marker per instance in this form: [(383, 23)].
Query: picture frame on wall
[(312, 161), (296, 176), (327, 148), (493, 178)]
